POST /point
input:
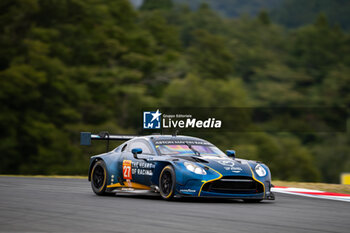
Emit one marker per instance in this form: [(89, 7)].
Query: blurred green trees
[(92, 65), (289, 13), (295, 13)]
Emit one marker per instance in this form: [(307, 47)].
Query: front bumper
[(239, 188)]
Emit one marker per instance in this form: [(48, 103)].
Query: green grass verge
[(47, 176), (336, 188)]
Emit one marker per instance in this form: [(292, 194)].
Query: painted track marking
[(312, 193)]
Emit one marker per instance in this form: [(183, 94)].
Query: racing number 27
[(127, 169)]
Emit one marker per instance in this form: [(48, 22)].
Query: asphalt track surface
[(69, 205)]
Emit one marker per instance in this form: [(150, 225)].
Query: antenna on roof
[(175, 133)]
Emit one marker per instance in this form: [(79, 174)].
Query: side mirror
[(231, 153), (136, 151)]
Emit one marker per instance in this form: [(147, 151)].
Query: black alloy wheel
[(167, 183), (98, 178)]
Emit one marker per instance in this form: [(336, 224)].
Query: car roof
[(170, 139)]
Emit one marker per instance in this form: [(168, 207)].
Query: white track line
[(312, 193)]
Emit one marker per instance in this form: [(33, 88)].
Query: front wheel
[(167, 182), (98, 178)]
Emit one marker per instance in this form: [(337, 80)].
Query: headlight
[(260, 170), (195, 168)]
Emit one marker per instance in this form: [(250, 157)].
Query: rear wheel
[(99, 177), (167, 182)]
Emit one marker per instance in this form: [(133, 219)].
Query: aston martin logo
[(226, 163)]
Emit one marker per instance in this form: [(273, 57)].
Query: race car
[(176, 166)]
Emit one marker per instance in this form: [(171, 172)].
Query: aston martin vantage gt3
[(176, 166)]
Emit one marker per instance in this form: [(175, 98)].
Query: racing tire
[(252, 200), (167, 182), (99, 178)]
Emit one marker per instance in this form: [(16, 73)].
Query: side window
[(141, 144)]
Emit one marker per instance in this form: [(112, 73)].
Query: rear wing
[(86, 137)]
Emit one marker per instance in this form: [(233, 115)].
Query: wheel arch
[(159, 168), (92, 164)]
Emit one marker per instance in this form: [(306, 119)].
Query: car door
[(137, 171)]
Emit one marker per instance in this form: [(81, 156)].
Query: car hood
[(225, 166)]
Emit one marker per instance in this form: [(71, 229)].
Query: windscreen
[(190, 150)]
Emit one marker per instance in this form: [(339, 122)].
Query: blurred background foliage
[(90, 65)]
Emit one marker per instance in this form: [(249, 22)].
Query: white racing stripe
[(312, 193)]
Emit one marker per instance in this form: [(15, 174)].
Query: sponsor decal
[(142, 168), (226, 163), (129, 183), (233, 169), (188, 190), (229, 165), (127, 169), (181, 142), (144, 172)]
